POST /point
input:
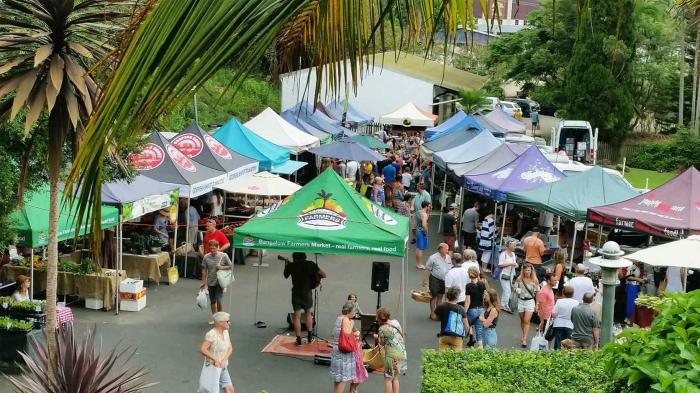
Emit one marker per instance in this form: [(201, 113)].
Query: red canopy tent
[(671, 210)]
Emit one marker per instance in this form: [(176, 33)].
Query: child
[(352, 298)]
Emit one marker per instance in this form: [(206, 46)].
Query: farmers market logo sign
[(150, 157), (180, 159), (323, 213), (218, 149), (189, 144)]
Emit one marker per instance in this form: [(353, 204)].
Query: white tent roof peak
[(409, 115), (272, 127)]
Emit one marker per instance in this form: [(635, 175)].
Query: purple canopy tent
[(671, 210), (529, 170), (505, 121)]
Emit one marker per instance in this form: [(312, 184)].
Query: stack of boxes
[(132, 295)]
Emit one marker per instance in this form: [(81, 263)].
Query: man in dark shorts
[(305, 277)]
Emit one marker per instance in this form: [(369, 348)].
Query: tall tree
[(598, 77), (46, 49)]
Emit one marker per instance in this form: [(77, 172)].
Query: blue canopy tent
[(305, 112), (460, 120), (240, 139), (448, 140), (353, 115)]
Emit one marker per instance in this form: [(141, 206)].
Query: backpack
[(455, 325)]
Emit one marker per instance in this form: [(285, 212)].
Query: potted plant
[(155, 244), (13, 335)]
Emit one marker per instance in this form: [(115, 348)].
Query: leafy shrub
[(682, 152), (494, 371), (666, 357)]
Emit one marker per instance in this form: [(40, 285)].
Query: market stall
[(327, 216), (497, 158), (193, 178), (448, 140), (670, 210), (504, 121), (370, 142), (409, 115), (273, 128), (305, 112), (270, 157), (347, 149), (297, 122), (31, 223), (482, 144)]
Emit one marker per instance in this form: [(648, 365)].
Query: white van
[(576, 138)]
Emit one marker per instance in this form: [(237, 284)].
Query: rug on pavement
[(284, 345)]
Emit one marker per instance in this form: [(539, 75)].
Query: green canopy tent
[(370, 141), (31, 222), (571, 196), (327, 216)]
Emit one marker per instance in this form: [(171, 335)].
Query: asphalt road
[(168, 331)]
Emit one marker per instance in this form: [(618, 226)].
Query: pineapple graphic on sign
[(323, 213)]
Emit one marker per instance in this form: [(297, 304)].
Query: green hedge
[(680, 153), (494, 371)]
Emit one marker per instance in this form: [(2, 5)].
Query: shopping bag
[(456, 245), (374, 357), (539, 343), (173, 275), (225, 277), (513, 301), (455, 325), (203, 300), (209, 379)]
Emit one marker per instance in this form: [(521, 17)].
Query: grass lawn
[(638, 177)]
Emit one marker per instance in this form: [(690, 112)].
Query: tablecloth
[(64, 316), (152, 266)]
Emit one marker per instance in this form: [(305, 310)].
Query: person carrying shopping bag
[(216, 349)]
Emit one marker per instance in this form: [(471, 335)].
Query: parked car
[(512, 109), (527, 106), (491, 103)]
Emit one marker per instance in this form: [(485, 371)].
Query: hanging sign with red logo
[(218, 149), (150, 157), (180, 159), (189, 144)]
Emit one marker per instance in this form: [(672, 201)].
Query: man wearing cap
[(213, 234), (534, 249), (449, 227), (435, 270)]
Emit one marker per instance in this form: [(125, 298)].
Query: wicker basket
[(421, 296)]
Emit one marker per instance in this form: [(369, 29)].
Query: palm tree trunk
[(24, 171), (58, 126), (681, 71)]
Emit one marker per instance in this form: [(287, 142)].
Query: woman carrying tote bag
[(216, 349)]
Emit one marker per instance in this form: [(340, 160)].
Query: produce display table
[(85, 286), (152, 266)]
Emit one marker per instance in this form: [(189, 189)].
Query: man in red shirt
[(213, 234)]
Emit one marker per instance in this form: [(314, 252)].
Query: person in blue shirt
[(389, 173), (535, 119)]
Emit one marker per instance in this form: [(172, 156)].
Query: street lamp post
[(609, 261)]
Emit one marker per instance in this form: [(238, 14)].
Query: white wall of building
[(380, 92)]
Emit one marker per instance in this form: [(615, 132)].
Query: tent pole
[(444, 198), (585, 235), (31, 273), (573, 248), (403, 288), (458, 218), (503, 225), (257, 289), (187, 231), (600, 234), (117, 278), (432, 181)]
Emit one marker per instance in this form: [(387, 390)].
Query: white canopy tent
[(263, 183), (684, 253), (273, 128), (409, 115)]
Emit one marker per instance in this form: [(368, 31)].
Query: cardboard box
[(133, 305), (130, 285), (132, 296), (94, 304)]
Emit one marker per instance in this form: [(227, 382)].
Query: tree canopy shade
[(671, 210), (572, 196), (31, 221), (326, 216)]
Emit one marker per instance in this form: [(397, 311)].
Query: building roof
[(430, 71)]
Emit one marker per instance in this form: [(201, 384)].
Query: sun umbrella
[(679, 253), (347, 149), (370, 141), (263, 183)]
